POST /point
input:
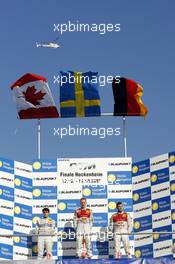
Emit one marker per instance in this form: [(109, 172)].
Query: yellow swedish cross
[(80, 103)]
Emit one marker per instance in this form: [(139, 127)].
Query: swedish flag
[(79, 94)]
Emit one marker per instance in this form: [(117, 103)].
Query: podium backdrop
[(59, 184), (154, 205)]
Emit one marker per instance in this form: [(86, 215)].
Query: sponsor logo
[(87, 192), (112, 205), (142, 209), (36, 192), (172, 187), (136, 197), (153, 178), (173, 216), (62, 206), (112, 178), (172, 159), (135, 169), (138, 253), (35, 249), (163, 248), (155, 206), (17, 210), (159, 162), (17, 239), (161, 190), (17, 182), (37, 165), (161, 219), (136, 225), (156, 236)]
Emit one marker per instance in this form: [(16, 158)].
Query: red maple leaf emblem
[(32, 96)]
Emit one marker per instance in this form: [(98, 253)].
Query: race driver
[(45, 226), (83, 220), (120, 223)]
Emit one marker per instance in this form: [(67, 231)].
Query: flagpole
[(39, 138), (124, 136)]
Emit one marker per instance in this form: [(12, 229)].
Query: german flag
[(127, 97)]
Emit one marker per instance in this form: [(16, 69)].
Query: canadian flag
[(33, 97)]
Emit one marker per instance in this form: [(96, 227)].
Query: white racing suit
[(45, 226), (121, 223), (83, 223)]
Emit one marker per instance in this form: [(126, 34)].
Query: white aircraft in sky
[(50, 45)]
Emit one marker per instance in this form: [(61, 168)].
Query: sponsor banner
[(6, 222), (23, 197), (65, 220), (20, 253), (6, 207), (6, 251), (82, 171), (141, 167), (143, 223), (67, 193), (118, 164), (100, 248), (41, 178), (141, 181), (142, 195), (38, 205), (144, 251), (144, 239), (49, 165), (162, 249), (160, 176), (45, 192), (162, 219), (98, 205), (160, 190), (6, 193), (159, 162), (7, 165), (23, 226), (119, 177), (122, 191), (68, 206), (25, 242), (142, 209), (22, 211), (23, 183), (100, 219), (94, 192), (162, 237), (6, 179), (161, 205), (22, 169)]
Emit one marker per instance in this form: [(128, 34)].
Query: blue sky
[(143, 50)]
